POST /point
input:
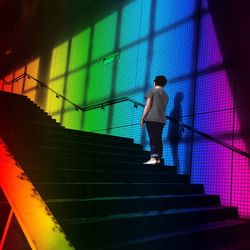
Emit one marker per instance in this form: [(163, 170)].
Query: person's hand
[(142, 122)]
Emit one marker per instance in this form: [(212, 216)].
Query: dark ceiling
[(9, 15)]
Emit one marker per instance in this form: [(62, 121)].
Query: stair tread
[(52, 190), (126, 198), (106, 149), (118, 183), (114, 162), (113, 172), (188, 230), (86, 134), (62, 147), (109, 175), (70, 149), (94, 163), (124, 216), (77, 170), (53, 123)]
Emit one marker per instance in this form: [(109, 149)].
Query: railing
[(136, 105), (182, 125)]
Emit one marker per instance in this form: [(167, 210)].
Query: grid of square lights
[(211, 163), (222, 172), (161, 42)]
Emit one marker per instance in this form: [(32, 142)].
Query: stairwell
[(104, 198)]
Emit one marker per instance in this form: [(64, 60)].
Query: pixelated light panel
[(152, 38), (219, 169)]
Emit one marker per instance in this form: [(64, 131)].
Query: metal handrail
[(136, 105), (197, 131)]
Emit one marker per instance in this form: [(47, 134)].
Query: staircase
[(102, 195)]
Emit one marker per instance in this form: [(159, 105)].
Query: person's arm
[(146, 110)]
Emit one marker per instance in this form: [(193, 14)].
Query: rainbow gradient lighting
[(174, 38)]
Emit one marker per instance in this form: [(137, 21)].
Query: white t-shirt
[(159, 98)]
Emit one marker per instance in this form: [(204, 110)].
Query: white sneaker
[(152, 161)]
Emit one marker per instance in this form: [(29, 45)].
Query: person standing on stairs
[(154, 116)]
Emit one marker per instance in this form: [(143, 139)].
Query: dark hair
[(160, 80)]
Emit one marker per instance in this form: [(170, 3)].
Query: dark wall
[(232, 24), (9, 16)]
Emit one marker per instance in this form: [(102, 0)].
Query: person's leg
[(152, 137), (158, 147), (155, 137)]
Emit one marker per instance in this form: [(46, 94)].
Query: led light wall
[(213, 114), (151, 37), (216, 113), (23, 86), (174, 38)]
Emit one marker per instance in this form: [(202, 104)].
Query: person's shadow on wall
[(174, 130)]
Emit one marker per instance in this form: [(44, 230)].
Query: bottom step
[(226, 235), (94, 233)]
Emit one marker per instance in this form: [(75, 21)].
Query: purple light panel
[(220, 170)]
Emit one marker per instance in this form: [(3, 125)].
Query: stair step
[(92, 153), (88, 160), (230, 234), (88, 175), (98, 189), (51, 124), (81, 144), (80, 136), (105, 198), (45, 123), (117, 228), (20, 117), (94, 164), (103, 206)]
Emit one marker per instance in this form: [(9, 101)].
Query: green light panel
[(75, 91), (79, 51), (103, 39)]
